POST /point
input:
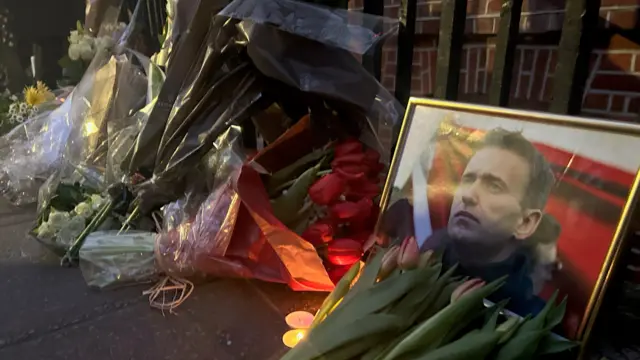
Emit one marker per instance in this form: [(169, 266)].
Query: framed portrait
[(542, 198)]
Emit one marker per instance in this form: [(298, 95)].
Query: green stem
[(132, 216), (71, 257)]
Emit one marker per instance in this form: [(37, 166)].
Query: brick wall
[(613, 85)]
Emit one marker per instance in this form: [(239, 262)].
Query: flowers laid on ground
[(330, 201), (403, 307)]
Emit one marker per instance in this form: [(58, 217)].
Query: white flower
[(86, 51), (13, 97), (45, 231), (96, 202), (13, 109), (84, 210), (104, 42), (74, 52), (74, 37), (58, 219)]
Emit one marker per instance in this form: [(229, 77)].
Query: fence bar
[(579, 29), (406, 35), (372, 60), (505, 52), (452, 23)]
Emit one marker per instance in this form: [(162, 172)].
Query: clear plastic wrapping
[(104, 114), (197, 231), (109, 259)]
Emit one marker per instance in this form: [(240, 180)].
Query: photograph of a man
[(497, 207)]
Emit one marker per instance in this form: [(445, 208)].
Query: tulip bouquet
[(330, 203), (401, 306)]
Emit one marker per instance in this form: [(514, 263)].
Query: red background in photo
[(587, 201)]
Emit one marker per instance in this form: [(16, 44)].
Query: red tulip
[(348, 146), (372, 157), (348, 210), (318, 233), (352, 172), (344, 252), (376, 169), (327, 189), (362, 189), (409, 254), (337, 272), (361, 236), (349, 159), (466, 288)]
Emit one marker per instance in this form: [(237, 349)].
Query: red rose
[(327, 189), (344, 251), (318, 233)]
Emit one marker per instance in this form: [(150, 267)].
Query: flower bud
[(425, 259), (389, 262), (466, 287), (344, 252), (409, 254)]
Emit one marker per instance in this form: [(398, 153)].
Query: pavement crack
[(97, 313)]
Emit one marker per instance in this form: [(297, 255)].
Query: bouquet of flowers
[(83, 46), (14, 110), (400, 306)]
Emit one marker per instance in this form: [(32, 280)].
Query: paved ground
[(47, 312)]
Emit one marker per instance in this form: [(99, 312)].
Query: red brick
[(475, 7), (616, 82), (389, 82), (430, 27), (390, 56), (596, 101), (616, 62), (484, 26), (527, 59), (416, 86), (494, 6), (423, 10), (469, 26), (623, 19)]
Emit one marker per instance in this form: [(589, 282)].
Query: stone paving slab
[(47, 312)]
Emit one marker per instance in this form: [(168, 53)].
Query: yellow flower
[(37, 95)]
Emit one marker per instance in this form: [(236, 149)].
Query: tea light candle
[(299, 319), (292, 337)]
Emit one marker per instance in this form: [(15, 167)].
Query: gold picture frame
[(629, 132)]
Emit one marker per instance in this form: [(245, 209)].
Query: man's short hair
[(541, 177)]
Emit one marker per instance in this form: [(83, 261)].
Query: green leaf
[(431, 332), (552, 345), (341, 289), (556, 314), (522, 345), (292, 171), (368, 275), (377, 297), (286, 207), (324, 339), (474, 345)]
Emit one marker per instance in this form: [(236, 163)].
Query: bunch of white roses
[(83, 45), (64, 227)]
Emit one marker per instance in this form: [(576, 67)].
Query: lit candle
[(292, 337), (299, 319)]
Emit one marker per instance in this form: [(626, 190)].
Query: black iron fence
[(576, 42)]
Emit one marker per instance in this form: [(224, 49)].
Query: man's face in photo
[(487, 207)]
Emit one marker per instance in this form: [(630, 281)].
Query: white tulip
[(96, 202), (58, 219), (45, 231), (74, 52)]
